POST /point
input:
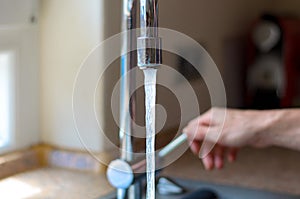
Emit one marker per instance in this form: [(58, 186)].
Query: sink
[(223, 191)]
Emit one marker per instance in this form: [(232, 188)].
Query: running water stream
[(150, 97)]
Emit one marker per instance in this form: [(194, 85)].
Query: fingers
[(203, 152), (209, 127), (196, 130), (219, 156), (208, 161), (212, 156), (232, 153), (215, 158), (206, 153), (195, 147)]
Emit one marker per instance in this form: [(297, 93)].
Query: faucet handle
[(120, 174)]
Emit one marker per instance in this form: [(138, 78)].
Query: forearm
[(281, 128)]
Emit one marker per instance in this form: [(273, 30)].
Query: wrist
[(267, 123)]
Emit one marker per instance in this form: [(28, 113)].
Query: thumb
[(196, 132)]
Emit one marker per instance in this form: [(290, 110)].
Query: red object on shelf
[(290, 58)]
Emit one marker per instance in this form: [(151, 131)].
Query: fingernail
[(208, 164), (209, 167), (231, 159), (206, 167), (219, 163)]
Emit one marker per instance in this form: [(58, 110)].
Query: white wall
[(70, 29), (17, 33), (17, 11)]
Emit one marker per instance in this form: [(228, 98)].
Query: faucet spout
[(149, 44), (149, 18)]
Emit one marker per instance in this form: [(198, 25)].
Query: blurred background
[(254, 43), (52, 38)]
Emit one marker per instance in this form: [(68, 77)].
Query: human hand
[(224, 131)]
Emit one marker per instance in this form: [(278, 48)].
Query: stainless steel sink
[(223, 192)]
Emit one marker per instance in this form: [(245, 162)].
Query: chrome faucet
[(127, 102), (149, 44), (149, 55), (124, 173)]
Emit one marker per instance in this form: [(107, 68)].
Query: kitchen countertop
[(272, 169), (54, 183)]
